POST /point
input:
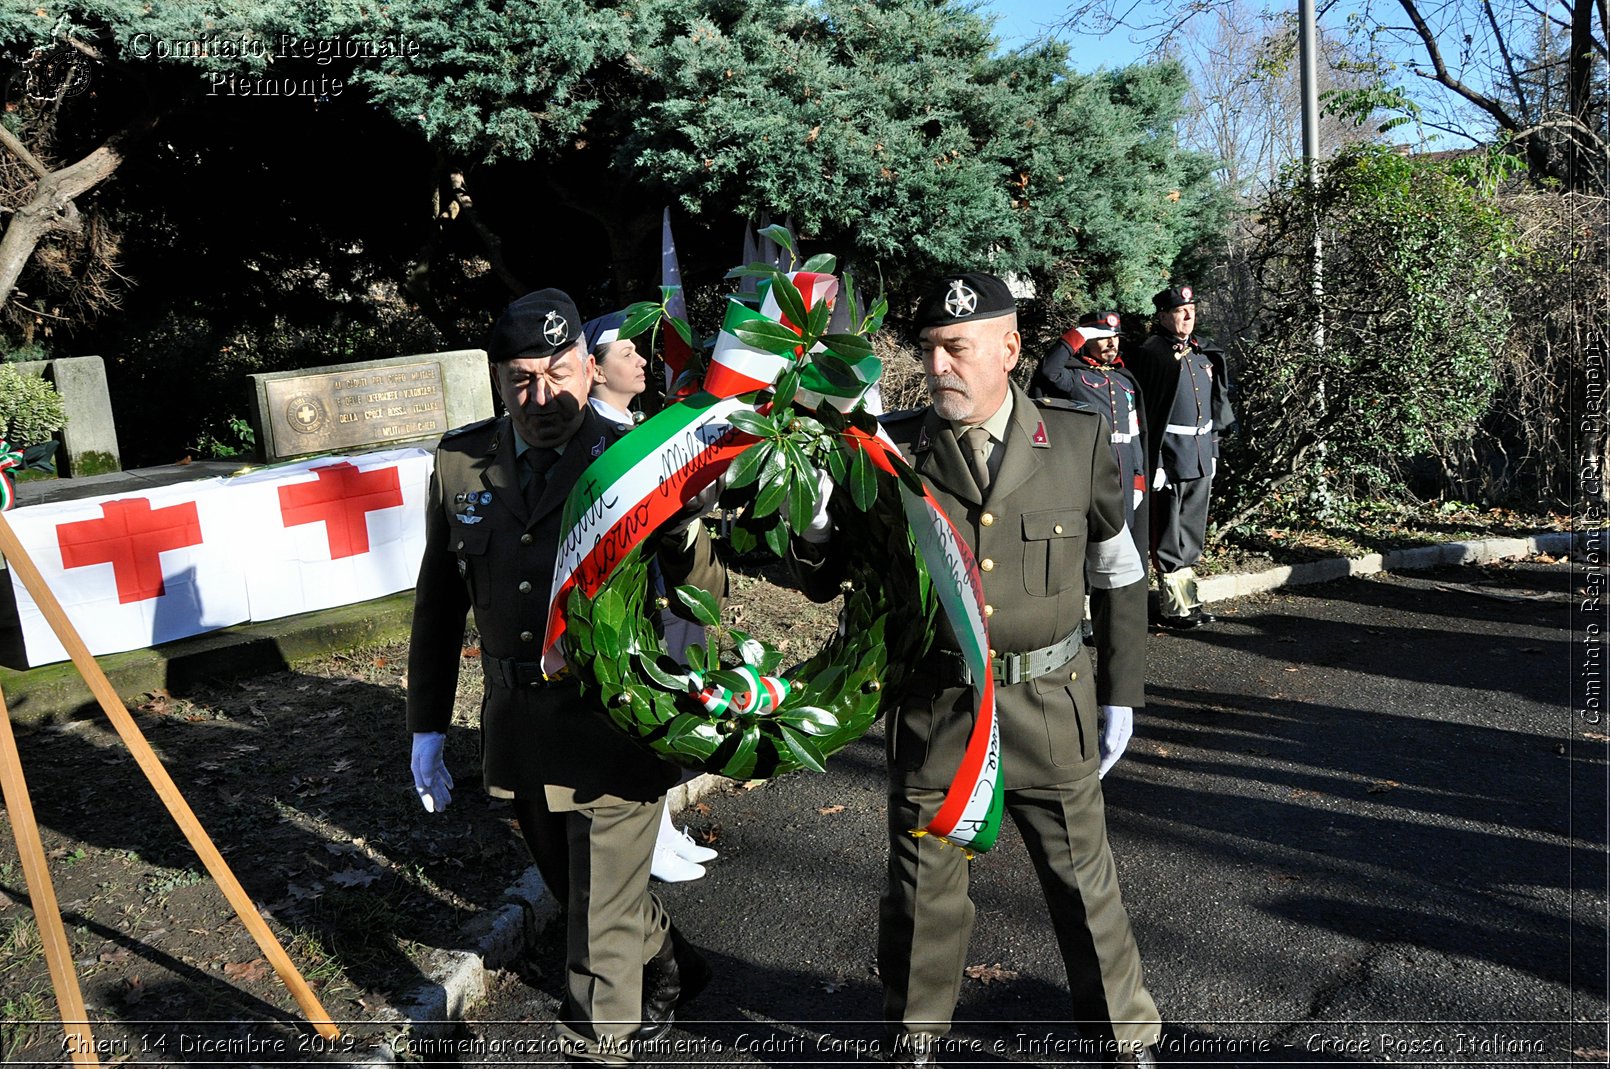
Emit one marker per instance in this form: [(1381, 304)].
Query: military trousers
[(614, 925), (1179, 523), (925, 919)]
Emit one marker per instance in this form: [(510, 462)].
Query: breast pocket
[(468, 543), (1053, 546)]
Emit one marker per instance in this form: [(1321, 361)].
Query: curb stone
[(457, 978), (1478, 551)]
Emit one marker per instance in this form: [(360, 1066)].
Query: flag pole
[(79, 1044), (16, 555)]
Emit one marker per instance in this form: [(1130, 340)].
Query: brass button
[(524, 587), (460, 544), (1057, 529), (526, 636), (987, 564), (992, 655), (988, 519), (1073, 678), (526, 539), (989, 610)]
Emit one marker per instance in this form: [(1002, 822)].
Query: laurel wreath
[(733, 709)]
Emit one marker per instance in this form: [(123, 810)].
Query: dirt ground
[(301, 779)]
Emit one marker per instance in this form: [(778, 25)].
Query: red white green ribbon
[(646, 478), (9, 458)]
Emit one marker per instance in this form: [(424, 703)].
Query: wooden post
[(47, 914), (17, 556)]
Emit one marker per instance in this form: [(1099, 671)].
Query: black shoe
[(1202, 616), (672, 978), (1179, 623)]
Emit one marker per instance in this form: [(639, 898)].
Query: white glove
[(432, 782), (820, 528), (1117, 724), (1159, 480), (687, 521)]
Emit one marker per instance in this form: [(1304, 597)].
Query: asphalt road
[(1359, 823)]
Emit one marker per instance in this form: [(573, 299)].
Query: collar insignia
[(598, 447), (961, 300), (922, 441), (555, 329), (1041, 441)]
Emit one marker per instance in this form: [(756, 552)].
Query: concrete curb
[(1480, 551), (456, 979)]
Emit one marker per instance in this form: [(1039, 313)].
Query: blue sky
[(1021, 21)]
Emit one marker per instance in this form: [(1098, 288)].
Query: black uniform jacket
[(1156, 367), (483, 551), (1052, 509)]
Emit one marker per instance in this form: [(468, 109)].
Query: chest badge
[(1040, 439)]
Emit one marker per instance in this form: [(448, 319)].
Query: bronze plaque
[(340, 409)]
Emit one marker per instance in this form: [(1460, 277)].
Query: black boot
[(671, 979)]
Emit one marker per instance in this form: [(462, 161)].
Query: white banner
[(331, 531), (132, 571), (136, 570)]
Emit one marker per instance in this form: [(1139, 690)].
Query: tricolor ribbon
[(647, 478), (9, 458)]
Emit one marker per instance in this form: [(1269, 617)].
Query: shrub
[(30, 408)]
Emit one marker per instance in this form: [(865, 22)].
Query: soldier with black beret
[(587, 798), (1186, 386), (1033, 488)]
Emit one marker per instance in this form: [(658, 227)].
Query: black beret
[(539, 324), (1104, 320), (1173, 297), (964, 298)]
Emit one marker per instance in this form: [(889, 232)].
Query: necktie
[(975, 446), (534, 477)]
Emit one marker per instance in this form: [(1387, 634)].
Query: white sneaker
[(669, 867), (686, 848)]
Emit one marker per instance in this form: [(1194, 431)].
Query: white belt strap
[(1179, 428)]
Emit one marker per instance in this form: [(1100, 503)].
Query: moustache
[(947, 382)]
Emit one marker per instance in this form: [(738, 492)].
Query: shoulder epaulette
[(1063, 403), (468, 427), (904, 413)]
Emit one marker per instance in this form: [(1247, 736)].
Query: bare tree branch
[(1444, 76), (1509, 64), (9, 141)]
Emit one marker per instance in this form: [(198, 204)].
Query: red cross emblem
[(343, 498), (131, 536)]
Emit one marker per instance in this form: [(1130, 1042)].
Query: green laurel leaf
[(768, 337), (801, 748), (754, 423), (701, 604), (863, 481)]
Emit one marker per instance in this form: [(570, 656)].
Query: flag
[(677, 352), (133, 571), (333, 531)]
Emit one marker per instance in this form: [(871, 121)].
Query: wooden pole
[(47, 914), (12, 549)]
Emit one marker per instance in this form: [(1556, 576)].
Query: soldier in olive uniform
[(587, 797), (1033, 488), (1186, 386), (1084, 365)]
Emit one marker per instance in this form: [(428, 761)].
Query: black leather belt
[(516, 675), (1010, 668)]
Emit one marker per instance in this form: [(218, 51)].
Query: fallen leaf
[(1592, 1054), (702, 808), (989, 974), (1293, 668), (832, 987), (470, 652), (342, 765), (710, 835), (381, 662), (354, 877), (115, 956), (828, 810), (1595, 736), (1381, 786), (246, 972)]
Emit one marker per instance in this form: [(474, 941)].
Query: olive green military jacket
[(1053, 508), (484, 551)]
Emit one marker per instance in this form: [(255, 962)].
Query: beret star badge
[(554, 329), (961, 300)]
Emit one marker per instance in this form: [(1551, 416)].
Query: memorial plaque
[(354, 407)]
